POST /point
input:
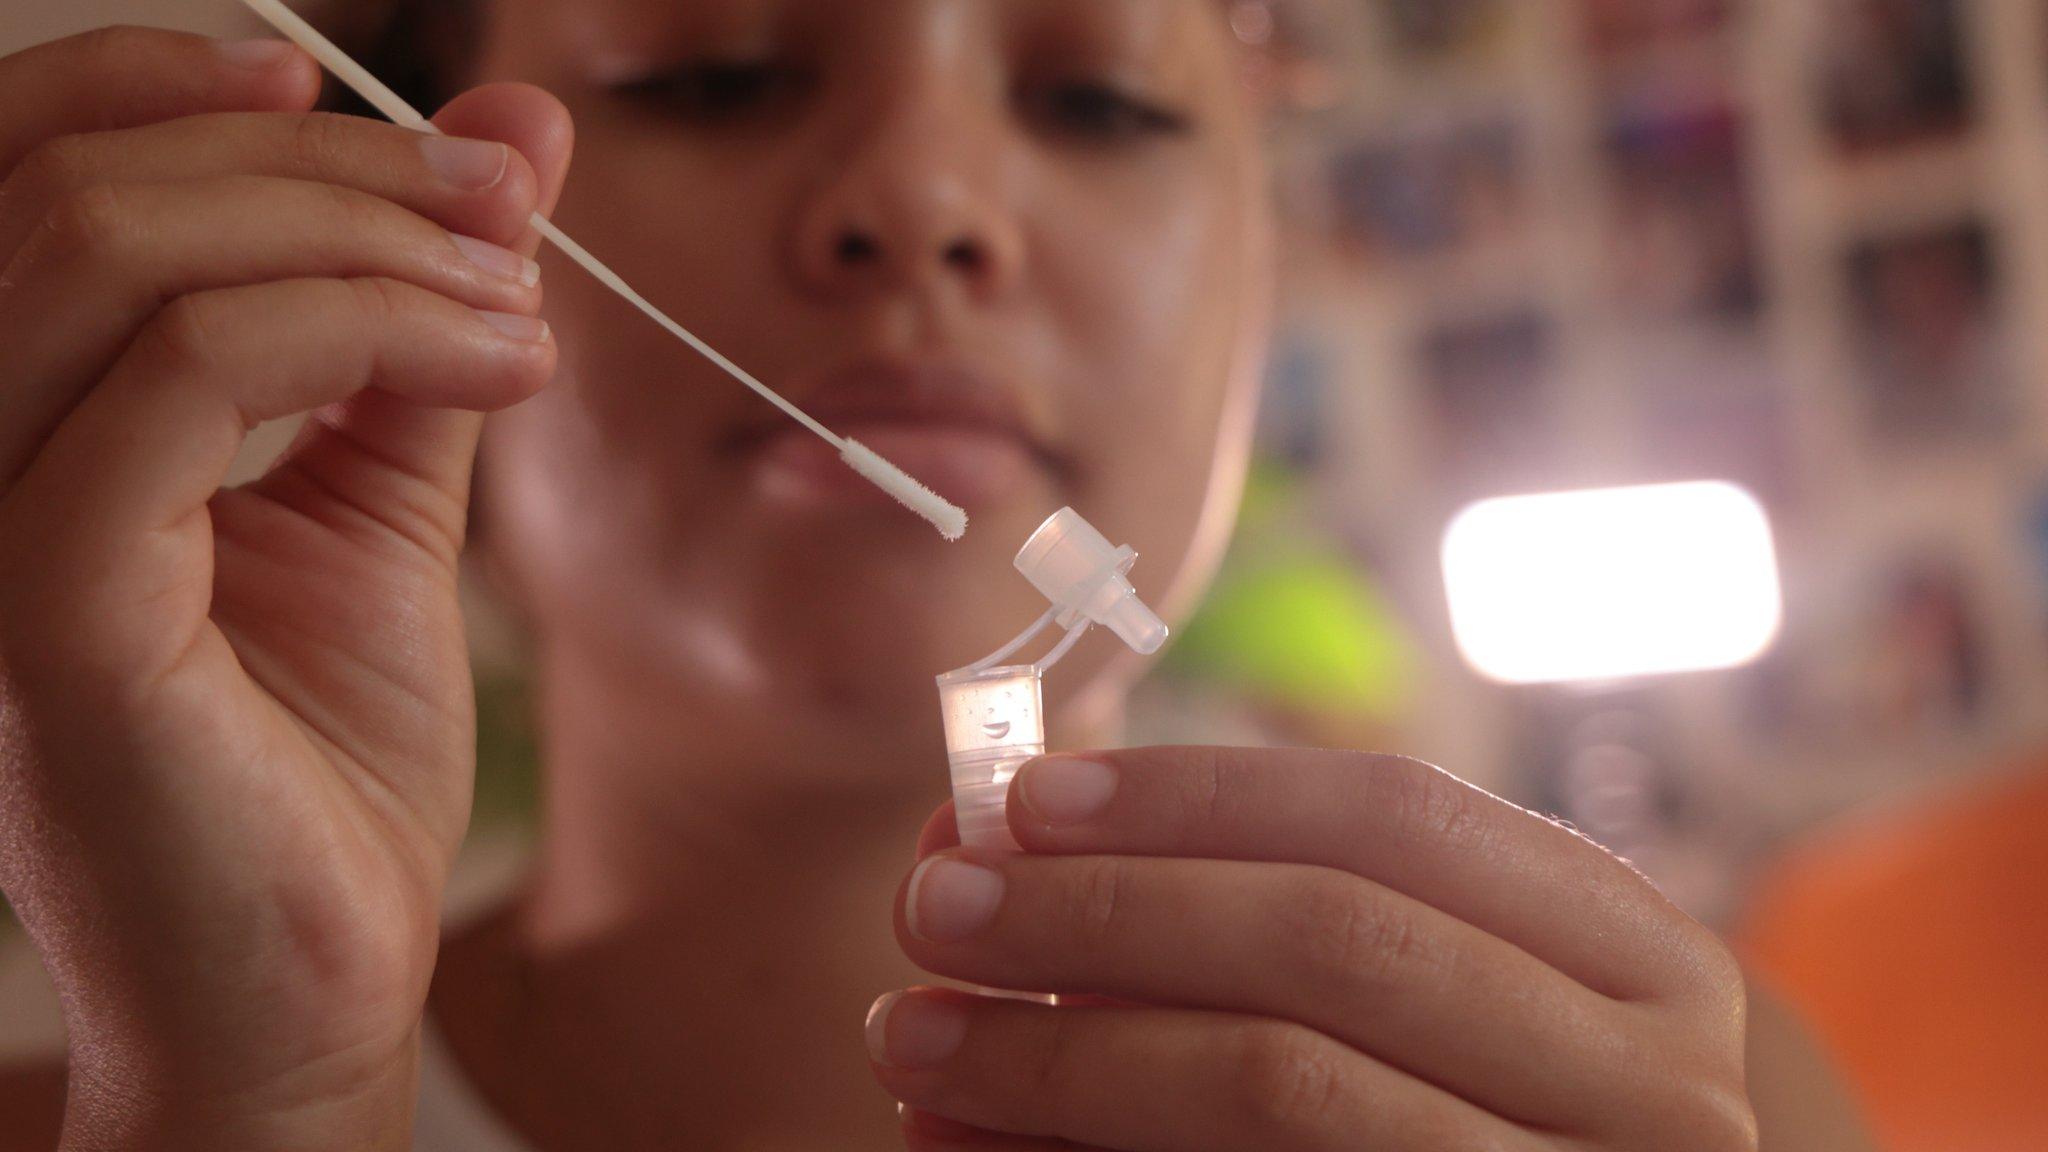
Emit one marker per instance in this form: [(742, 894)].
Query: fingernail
[(256, 55), (472, 165), (907, 1030), (523, 328), (1063, 790), (498, 261), (950, 899)]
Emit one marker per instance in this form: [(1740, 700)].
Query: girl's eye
[(1100, 112), (717, 91)]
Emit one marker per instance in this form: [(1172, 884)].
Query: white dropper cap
[(1083, 575)]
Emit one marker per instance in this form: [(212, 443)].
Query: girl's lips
[(971, 466)]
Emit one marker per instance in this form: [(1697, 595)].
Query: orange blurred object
[(1916, 945)]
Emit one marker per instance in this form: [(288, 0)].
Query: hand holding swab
[(947, 518)]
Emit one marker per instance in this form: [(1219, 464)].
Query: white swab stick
[(950, 520)]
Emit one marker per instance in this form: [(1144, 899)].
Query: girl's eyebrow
[(645, 34), (1158, 36)]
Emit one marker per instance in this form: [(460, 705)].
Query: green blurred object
[(507, 754), (1292, 621)]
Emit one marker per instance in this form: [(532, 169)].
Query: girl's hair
[(423, 49)]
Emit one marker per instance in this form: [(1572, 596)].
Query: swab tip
[(948, 518)]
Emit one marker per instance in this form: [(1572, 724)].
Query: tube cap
[(1077, 569)]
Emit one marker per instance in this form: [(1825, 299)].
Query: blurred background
[(1543, 246)]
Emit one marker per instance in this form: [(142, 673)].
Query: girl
[(1017, 246)]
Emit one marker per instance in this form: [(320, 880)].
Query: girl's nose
[(918, 206)]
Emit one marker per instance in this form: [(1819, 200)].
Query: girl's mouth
[(973, 466), (960, 434)]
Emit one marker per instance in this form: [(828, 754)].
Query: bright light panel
[(1612, 584)]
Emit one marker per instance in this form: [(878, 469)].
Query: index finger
[(1397, 822), (125, 77)]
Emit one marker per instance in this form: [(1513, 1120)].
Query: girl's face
[(1016, 246)]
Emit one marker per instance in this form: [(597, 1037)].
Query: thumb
[(527, 118)]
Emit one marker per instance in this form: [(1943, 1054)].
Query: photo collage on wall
[(1933, 353), (1578, 236), (1926, 318), (1489, 391), (1682, 238), (1621, 27), (1684, 276), (1899, 657), (1892, 73), (1436, 188), (1436, 30)]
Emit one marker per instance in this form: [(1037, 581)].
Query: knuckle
[(1289, 1079), (355, 211), (319, 142), (48, 169), (377, 299), (188, 332), (1716, 968), (1422, 797), (89, 223), (1689, 966), (1221, 783), (1097, 898), (1724, 995), (1722, 1115), (1353, 936), (1681, 1086)]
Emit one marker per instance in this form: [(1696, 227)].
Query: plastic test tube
[(994, 721)]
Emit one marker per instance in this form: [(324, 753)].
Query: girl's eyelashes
[(718, 92), (1100, 112)]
